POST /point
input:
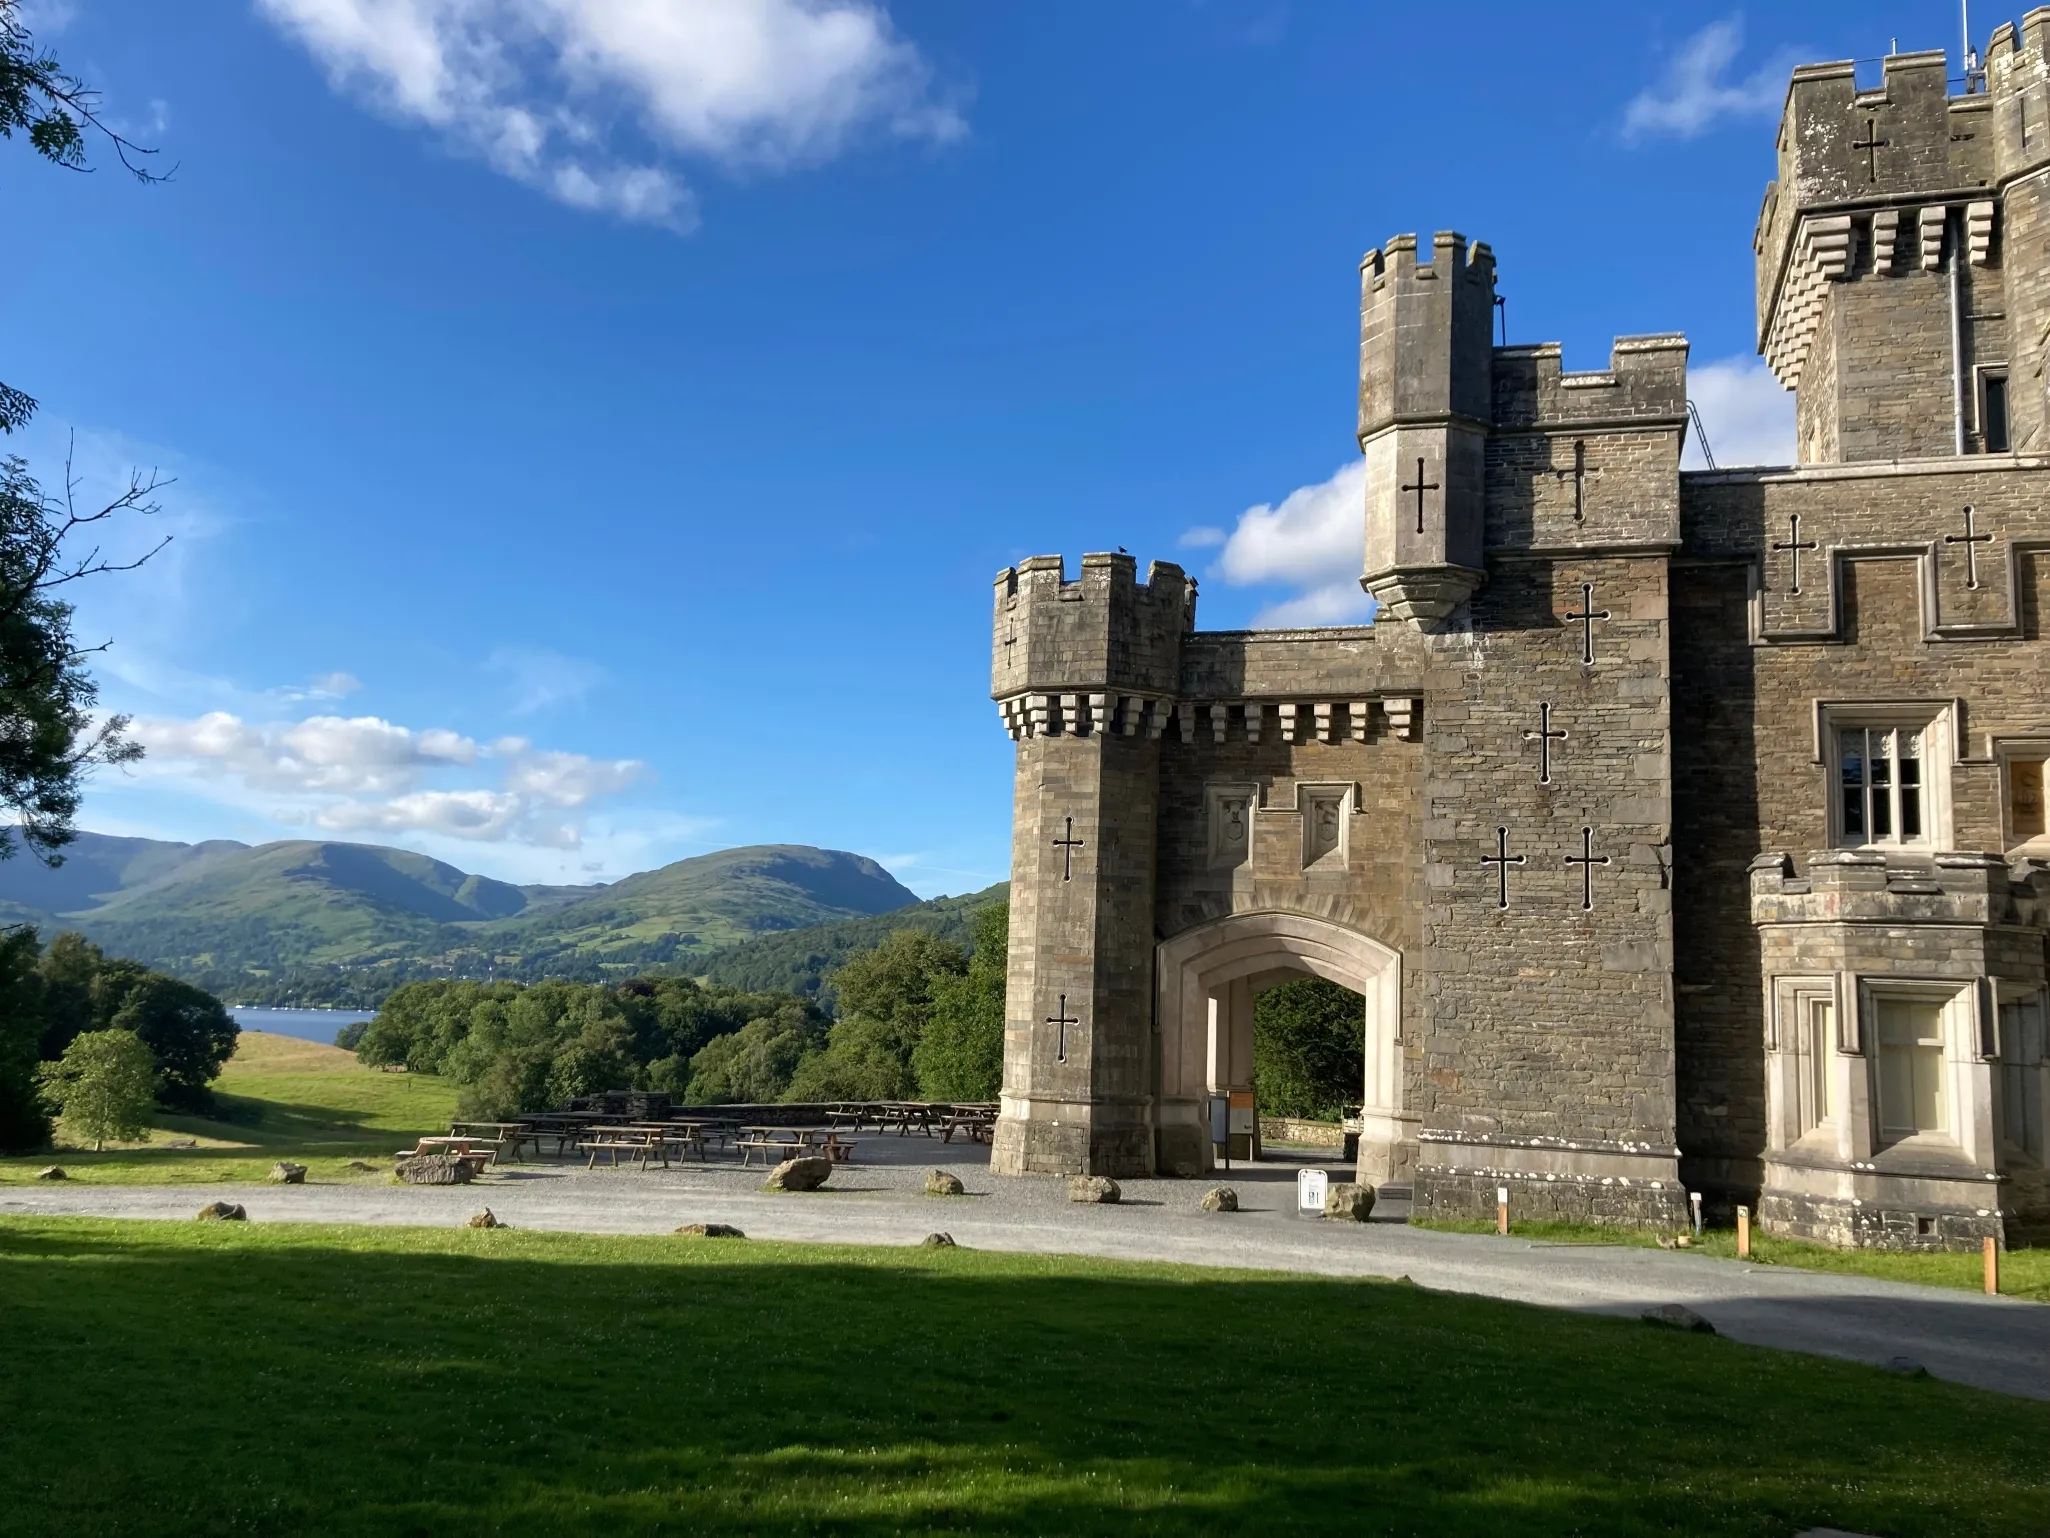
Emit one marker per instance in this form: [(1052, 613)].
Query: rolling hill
[(798, 961), (331, 920)]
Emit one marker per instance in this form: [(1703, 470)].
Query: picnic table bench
[(479, 1152), (978, 1121), (794, 1143), (641, 1143)]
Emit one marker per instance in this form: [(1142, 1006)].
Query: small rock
[(1906, 1366), (940, 1183), (222, 1212), (1221, 1199), (181, 1142), (286, 1173), (806, 1174), (1093, 1188), (435, 1170), (1405, 1280), (52, 1172), (485, 1219), (1683, 1241), (360, 1167), (1676, 1316), (710, 1231), (939, 1242), (1348, 1203)]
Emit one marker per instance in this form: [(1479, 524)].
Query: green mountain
[(705, 904), (303, 920), (797, 962)]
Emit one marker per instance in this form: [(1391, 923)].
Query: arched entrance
[(1207, 979)]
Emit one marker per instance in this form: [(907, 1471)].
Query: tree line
[(920, 1016), (77, 1025)]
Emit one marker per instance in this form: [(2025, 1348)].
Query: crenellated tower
[(1085, 675), (1901, 292), (1425, 384)]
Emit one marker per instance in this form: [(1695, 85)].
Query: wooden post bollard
[(1501, 1209), (1743, 1233), (1992, 1249)]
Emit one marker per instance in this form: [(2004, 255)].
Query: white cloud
[(1692, 96), (1202, 537), (1748, 414), (539, 88), (367, 775), (1311, 541)]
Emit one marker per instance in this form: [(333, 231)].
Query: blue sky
[(596, 423)]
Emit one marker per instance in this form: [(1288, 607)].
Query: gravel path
[(1995, 1343)]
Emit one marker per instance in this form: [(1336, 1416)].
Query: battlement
[(1425, 331), (1645, 383), (1106, 631)]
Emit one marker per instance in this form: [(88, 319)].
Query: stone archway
[(1207, 977)]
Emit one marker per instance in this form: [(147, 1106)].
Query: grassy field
[(282, 1098), (187, 1379), (2024, 1273)]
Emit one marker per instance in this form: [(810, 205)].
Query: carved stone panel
[(1231, 823), (1324, 809)]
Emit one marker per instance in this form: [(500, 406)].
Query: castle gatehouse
[(1683, 831)]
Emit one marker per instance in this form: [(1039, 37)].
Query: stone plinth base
[(1908, 1209), (1054, 1138), (1631, 1185)]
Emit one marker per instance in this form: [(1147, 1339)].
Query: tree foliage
[(103, 1086), (960, 1054), (24, 1123), (518, 1047), (1309, 1049), (52, 107)]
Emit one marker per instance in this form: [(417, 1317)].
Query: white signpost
[(1310, 1186)]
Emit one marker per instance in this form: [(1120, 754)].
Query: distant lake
[(307, 1024)]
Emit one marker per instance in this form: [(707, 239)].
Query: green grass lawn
[(2024, 1273), (282, 1098), (173, 1379)]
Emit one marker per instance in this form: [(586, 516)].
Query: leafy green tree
[(66, 971), (103, 1086), (960, 1053), (893, 983), (189, 1034), (1309, 1049), (24, 1122), (863, 1059), (754, 1064)]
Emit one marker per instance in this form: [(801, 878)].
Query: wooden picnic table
[(978, 1121), (643, 1142), (795, 1142)]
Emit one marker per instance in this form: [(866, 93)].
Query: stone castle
[(1683, 831)]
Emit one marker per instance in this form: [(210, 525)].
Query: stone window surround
[(1967, 1079), (2004, 751), (1852, 1133), (1937, 719)]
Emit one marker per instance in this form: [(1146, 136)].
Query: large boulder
[(710, 1231), (436, 1170), (806, 1174), (941, 1183), (1093, 1188), (1221, 1199), (1348, 1203), (222, 1212), (286, 1173), (1677, 1316)]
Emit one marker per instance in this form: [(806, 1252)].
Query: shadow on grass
[(184, 1380)]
